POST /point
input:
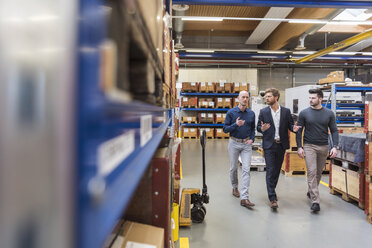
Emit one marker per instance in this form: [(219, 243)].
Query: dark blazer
[(286, 123)]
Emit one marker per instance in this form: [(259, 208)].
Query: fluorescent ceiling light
[(201, 18), (342, 53), (350, 22), (307, 21), (301, 21)]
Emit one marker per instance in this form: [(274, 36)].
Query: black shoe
[(308, 195), (315, 207)]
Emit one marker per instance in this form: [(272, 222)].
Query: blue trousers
[(274, 159)]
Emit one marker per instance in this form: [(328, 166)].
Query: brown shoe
[(246, 203), (236, 193), (274, 204)]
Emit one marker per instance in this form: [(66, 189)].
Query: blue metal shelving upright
[(116, 140), (334, 105)]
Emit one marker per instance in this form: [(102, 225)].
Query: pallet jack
[(190, 196)]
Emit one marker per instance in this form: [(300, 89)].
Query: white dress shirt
[(276, 119)]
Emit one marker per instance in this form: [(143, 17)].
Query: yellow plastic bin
[(175, 221)]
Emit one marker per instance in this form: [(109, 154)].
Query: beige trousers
[(315, 157)]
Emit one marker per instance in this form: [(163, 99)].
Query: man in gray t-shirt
[(316, 120)]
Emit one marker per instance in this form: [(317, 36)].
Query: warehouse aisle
[(227, 224)]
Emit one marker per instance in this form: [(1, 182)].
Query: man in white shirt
[(274, 122)]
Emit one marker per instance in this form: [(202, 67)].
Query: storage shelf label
[(112, 152), (146, 129)]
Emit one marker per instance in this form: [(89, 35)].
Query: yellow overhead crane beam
[(337, 46)]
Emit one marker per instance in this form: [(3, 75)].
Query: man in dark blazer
[(274, 121)]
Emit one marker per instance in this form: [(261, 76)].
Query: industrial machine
[(192, 196)]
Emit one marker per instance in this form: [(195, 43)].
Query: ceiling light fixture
[(202, 18), (298, 21)]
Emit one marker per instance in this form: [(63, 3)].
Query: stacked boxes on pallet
[(206, 87), (346, 175), (333, 77), (190, 132), (190, 87), (220, 118), (219, 98), (206, 117)]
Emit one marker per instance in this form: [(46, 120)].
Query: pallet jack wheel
[(198, 214)]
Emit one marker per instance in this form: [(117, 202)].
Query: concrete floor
[(227, 224)]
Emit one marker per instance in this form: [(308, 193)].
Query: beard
[(314, 103), (270, 102)]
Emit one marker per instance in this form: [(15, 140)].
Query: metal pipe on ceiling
[(337, 46)]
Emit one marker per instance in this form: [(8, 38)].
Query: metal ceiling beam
[(281, 3), (337, 46), (257, 56)]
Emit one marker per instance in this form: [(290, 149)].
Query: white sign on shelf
[(211, 104), (184, 99), (146, 129), (219, 99), (218, 115), (210, 115), (112, 152), (202, 84), (131, 244), (192, 130), (186, 130), (189, 119), (203, 115), (193, 83)]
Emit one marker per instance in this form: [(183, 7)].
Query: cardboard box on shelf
[(206, 87), (152, 12), (220, 102), (188, 119), (141, 234), (236, 87), (244, 86), (336, 76), (189, 87), (193, 102), (220, 118), (227, 102), (206, 117), (189, 132), (221, 134), (184, 102)]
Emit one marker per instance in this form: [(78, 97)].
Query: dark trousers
[(274, 158)]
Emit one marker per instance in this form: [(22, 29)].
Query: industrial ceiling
[(279, 28)]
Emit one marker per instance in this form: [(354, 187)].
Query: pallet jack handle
[(203, 140)]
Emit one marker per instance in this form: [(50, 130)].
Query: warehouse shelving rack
[(333, 105), (116, 139)]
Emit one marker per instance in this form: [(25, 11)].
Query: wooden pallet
[(190, 122), (190, 137), (222, 137), (346, 197)]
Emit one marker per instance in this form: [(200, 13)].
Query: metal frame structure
[(281, 3), (333, 105)]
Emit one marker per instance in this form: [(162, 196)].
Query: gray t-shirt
[(316, 123)]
